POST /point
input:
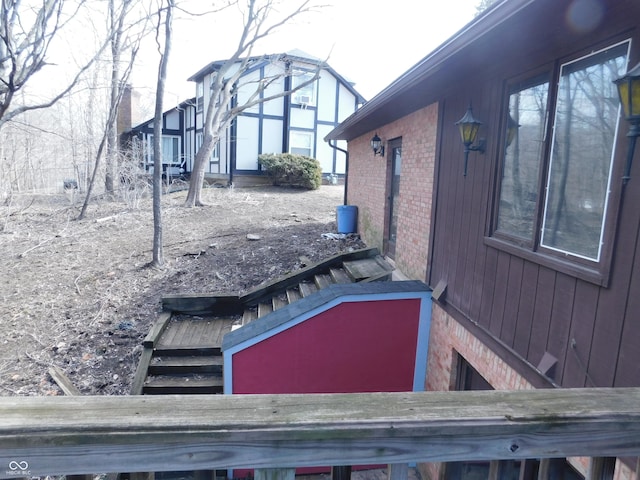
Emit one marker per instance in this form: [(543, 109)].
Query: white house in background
[(295, 123)]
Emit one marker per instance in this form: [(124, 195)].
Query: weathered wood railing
[(77, 435)]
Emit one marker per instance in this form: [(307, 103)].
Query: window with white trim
[(215, 155), (301, 143), (556, 173), (200, 96), (305, 95), (170, 150)]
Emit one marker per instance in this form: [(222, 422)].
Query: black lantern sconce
[(377, 146), (629, 92), (469, 127)]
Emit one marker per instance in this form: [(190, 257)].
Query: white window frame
[(296, 142), (306, 95)]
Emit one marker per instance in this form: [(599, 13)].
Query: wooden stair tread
[(339, 275), (250, 314), (279, 302), (264, 308), (367, 268), (187, 350), (322, 281), (165, 384), (198, 364), (293, 295), (307, 288)]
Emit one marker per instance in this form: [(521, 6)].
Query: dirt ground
[(80, 295)]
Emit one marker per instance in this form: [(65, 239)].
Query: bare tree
[(119, 33), (26, 35), (164, 49), (258, 23)]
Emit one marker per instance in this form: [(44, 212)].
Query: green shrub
[(294, 170)]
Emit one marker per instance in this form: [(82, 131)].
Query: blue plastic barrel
[(347, 218)]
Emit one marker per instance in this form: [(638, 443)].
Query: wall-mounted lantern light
[(376, 146), (512, 129), (629, 92), (469, 127)]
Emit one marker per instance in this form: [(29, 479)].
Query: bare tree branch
[(258, 24), (25, 40)]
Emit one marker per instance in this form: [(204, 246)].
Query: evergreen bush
[(293, 170)]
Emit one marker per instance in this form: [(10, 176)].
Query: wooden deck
[(79, 435)]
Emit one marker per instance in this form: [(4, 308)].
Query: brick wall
[(369, 178)]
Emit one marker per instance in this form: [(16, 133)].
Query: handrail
[(77, 435)]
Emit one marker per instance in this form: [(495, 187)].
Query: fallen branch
[(59, 234), (61, 379)]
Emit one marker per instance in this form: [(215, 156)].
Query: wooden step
[(264, 308), (307, 288), (338, 275), (368, 268), (186, 351), (322, 281), (167, 385), (182, 365), (293, 294), (279, 301), (249, 315)]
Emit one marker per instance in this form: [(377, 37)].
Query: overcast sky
[(370, 42)]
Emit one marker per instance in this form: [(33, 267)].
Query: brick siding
[(369, 178)]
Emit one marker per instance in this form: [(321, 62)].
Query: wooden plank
[(293, 295), (279, 302), (61, 379), (176, 365), (339, 275), (165, 384), (141, 371), (601, 468), (203, 304), (322, 281), (156, 330), (76, 435), (281, 284), (398, 471), (264, 308), (307, 288), (365, 268), (341, 472), (249, 315), (274, 474)]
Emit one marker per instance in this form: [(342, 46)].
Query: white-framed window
[(199, 96), (301, 143), (556, 173), (215, 155), (305, 95), (170, 150)]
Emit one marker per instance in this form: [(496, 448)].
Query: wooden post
[(398, 471), (494, 470), (543, 471), (601, 468), (274, 474), (342, 472)]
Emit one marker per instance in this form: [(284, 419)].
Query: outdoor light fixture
[(376, 146), (469, 127), (629, 92), (512, 129)]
